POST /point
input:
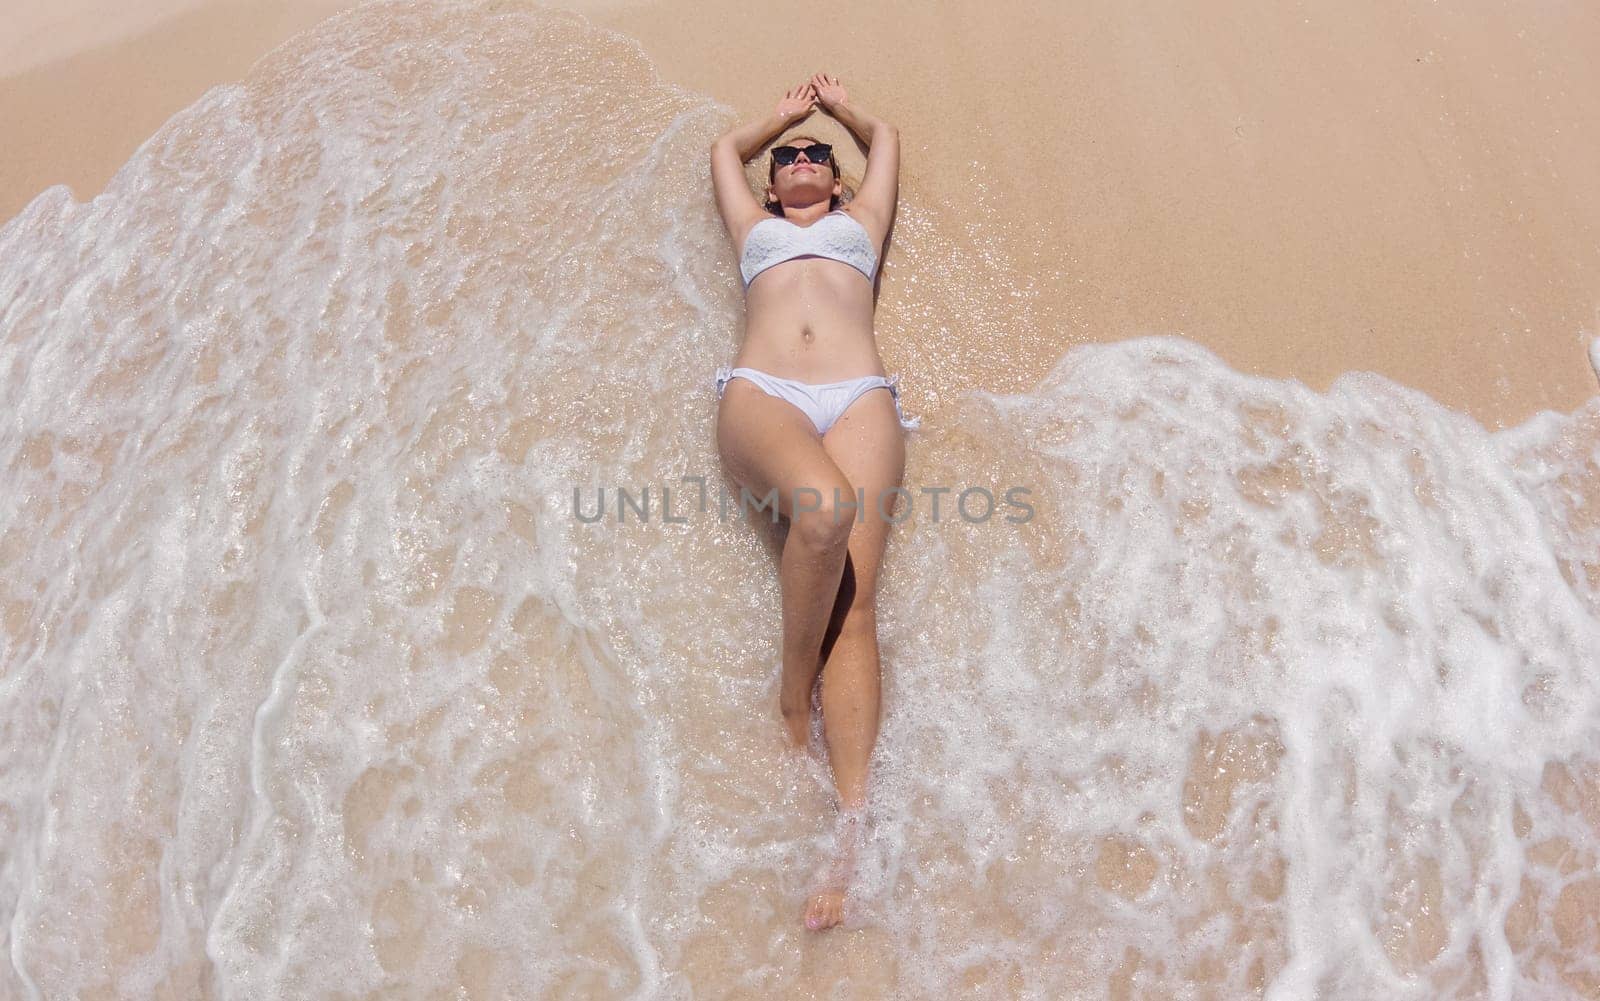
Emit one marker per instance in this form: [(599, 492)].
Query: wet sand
[(76, 119)]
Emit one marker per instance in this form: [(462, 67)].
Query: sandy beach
[(1306, 192), (82, 85)]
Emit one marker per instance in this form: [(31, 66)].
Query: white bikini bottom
[(823, 402)]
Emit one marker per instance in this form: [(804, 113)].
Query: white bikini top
[(837, 236)]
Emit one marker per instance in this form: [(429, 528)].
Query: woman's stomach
[(811, 321), (811, 353)]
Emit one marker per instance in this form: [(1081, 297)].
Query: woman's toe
[(824, 911)]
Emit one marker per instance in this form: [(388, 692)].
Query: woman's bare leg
[(868, 446), (766, 444)]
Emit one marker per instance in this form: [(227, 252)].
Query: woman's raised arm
[(738, 206), (881, 187)]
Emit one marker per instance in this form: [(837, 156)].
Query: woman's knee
[(823, 518)]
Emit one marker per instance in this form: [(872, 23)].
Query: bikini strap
[(909, 423)]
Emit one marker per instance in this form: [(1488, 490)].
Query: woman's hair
[(776, 207)]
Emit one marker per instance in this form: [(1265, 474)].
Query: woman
[(802, 415)]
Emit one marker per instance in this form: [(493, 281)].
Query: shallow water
[(314, 685)]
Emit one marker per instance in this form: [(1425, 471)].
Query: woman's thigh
[(867, 444), (767, 444)]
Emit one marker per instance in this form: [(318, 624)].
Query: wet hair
[(776, 207)]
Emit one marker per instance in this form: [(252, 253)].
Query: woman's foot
[(825, 905), (824, 909), (797, 712)]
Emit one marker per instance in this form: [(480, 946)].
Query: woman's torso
[(810, 318)]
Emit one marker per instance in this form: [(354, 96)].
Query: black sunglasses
[(818, 153)]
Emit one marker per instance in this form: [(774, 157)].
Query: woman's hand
[(797, 103), (829, 91)]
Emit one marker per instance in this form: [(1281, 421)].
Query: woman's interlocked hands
[(821, 90)]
